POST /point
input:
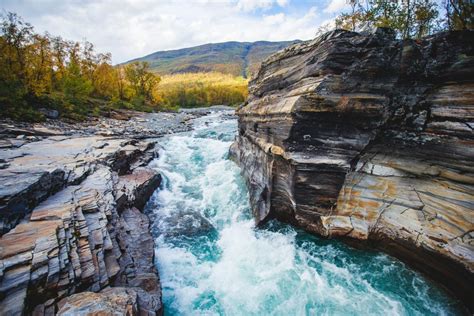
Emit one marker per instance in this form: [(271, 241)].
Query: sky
[(133, 28)]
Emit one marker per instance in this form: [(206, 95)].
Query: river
[(214, 261)]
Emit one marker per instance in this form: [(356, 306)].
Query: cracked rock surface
[(74, 240), (367, 137)]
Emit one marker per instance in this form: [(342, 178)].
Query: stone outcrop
[(74, 240), (366, 137), (111, 301), (36, 170)]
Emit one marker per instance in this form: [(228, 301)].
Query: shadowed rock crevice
[(367, 137)]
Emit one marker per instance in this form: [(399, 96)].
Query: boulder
[(111, 301), (49, 113), (185, 223)]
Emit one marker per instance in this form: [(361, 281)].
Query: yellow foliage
[(201, 89)]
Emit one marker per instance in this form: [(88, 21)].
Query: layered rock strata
[(72, 225), (371, 138)]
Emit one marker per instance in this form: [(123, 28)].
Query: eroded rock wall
[(70, 209), (371, 138)]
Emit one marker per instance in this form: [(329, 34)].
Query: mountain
[(237, 58)]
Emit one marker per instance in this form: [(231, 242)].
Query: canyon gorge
[(348, 171)]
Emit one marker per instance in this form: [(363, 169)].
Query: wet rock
[(51, 114), (137, 268), (112, 301), (137, 187), (185, 223), (78, 232), (367, 137)]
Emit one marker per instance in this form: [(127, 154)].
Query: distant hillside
[(236, 58)]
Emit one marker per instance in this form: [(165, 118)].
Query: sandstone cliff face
[(71, 223), (370, 138)]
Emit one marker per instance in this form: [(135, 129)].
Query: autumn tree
[(353, 20), (16, 36), (120, 82), (76, 87), (409, 18), (88, 61), (424, 18), (40, 65), (141, 79), (459, 14), (104, 81), (59, 52)]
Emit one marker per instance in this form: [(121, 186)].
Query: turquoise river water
[(214, 261)]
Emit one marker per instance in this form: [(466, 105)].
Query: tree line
[(47, 71), (409, 18)]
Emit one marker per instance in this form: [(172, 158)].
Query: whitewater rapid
[(212, 259)]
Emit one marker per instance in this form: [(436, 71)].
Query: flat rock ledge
[(366, 137), (74, 240)]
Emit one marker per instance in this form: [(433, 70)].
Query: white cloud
[(252, 5), (274, 19), (134, 28), (336, 6)]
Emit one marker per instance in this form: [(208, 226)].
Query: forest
[(45, 71), (48, 72)]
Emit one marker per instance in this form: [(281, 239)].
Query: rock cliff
[(367, 137), (74, 240)]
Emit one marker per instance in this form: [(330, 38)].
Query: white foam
[(246, 271)]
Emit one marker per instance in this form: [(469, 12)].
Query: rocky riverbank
[(123, 124), (71, 222), (73, 235), (366, 137)]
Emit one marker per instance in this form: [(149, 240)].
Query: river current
[(214, 261)]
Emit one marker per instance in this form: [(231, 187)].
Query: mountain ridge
[(232, 57)]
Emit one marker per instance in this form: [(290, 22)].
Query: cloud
[(336, 6), (274, 19), (252, 5), (134, 28)]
